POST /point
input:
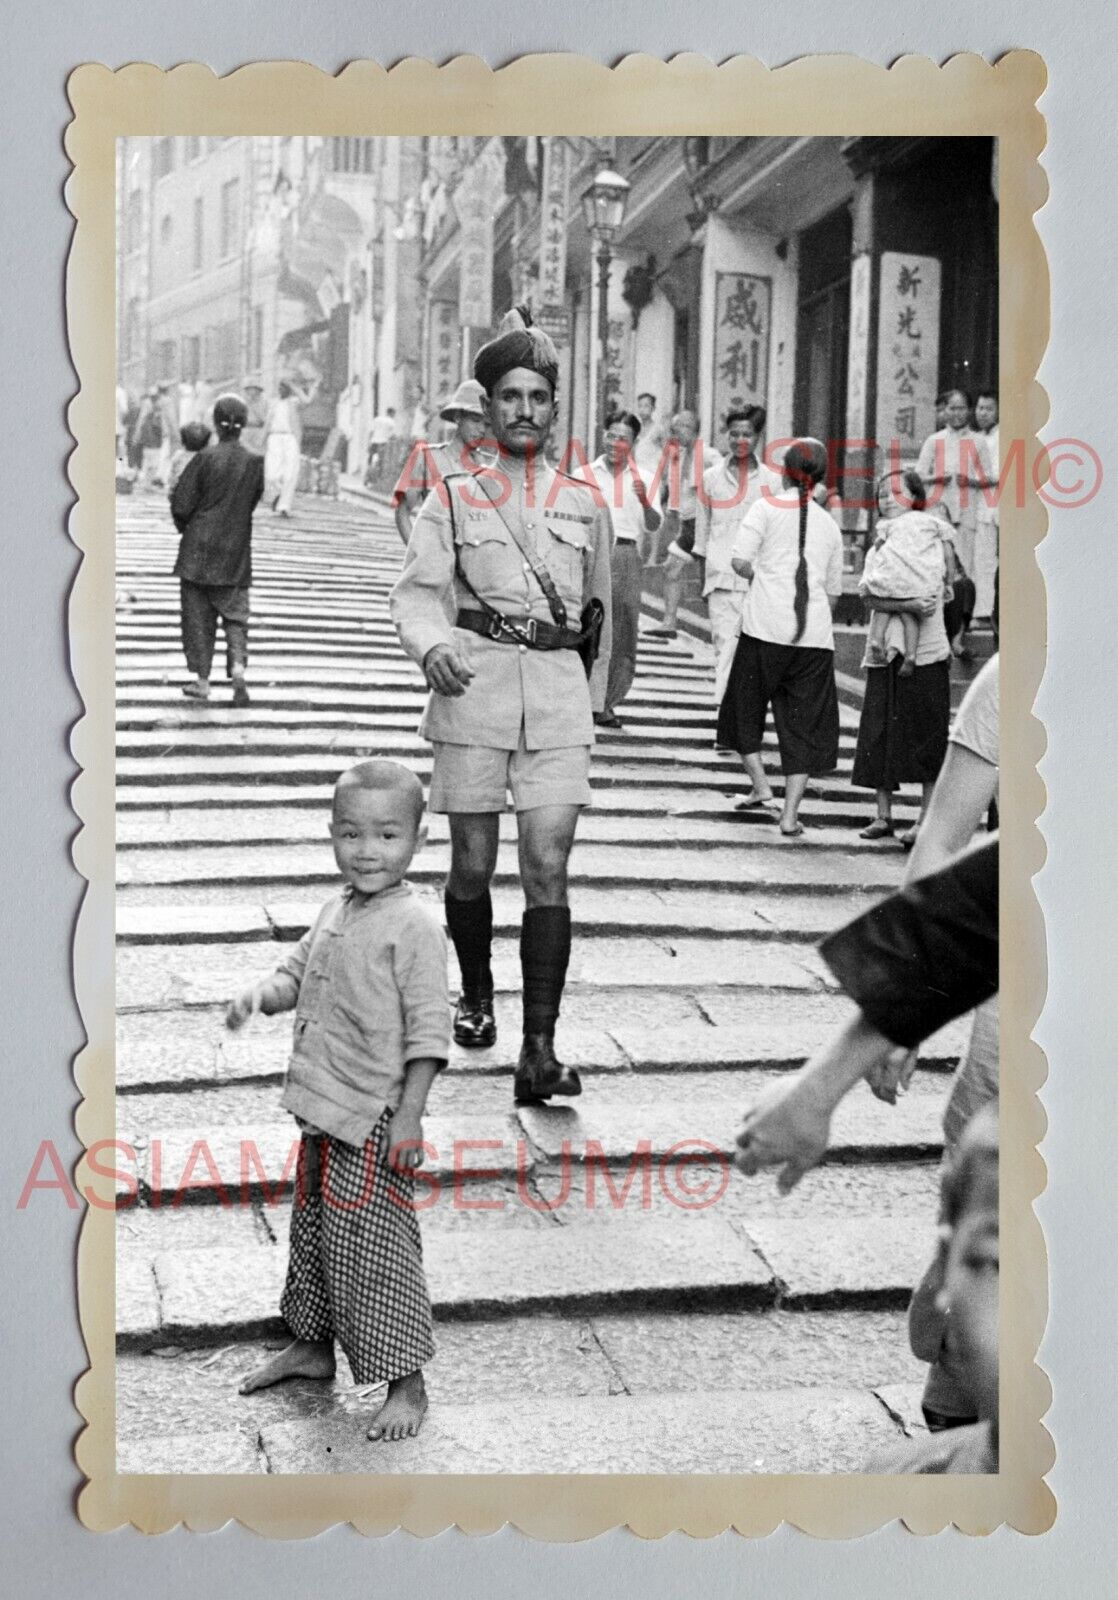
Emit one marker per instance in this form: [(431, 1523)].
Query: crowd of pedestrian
[(521, 606)]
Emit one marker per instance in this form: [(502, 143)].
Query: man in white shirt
[(381, 431), (618, 480), (679, 498), (730, 488)]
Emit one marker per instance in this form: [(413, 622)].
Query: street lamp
[(603, 207)]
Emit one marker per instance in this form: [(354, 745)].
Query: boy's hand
[(405, 1139), (246, 1004), (891, 1077)]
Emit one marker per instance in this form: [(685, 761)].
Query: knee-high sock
[(545, 949), (470, 924)]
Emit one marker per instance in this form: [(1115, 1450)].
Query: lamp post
[(603, 208)]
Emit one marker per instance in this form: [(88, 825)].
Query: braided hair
[(805, 465)]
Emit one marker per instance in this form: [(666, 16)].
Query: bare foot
[(303, 1358), (401, 1416)]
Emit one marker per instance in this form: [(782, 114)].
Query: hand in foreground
[(447, 670), (892, 1075), (246, 1004), (928, 604), (405, 1140), (787, 1126)]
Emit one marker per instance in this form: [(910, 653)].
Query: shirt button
[(523, 649)]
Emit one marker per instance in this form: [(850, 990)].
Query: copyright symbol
[(1074, 474), (694, 1174)]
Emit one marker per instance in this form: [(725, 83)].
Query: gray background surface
[(46, 1552)]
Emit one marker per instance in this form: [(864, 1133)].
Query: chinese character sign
[(476, 201), (442, 352), (742, 327), (907, 352), (553, 223)]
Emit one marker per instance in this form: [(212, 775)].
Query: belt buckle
[(530, 629), (494, 626)]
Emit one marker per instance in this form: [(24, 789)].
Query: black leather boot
[(540, 1074), (474, 1024), (470, 923)]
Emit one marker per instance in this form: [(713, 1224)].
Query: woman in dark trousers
[(212, 508), (902, 735), (791, 550)]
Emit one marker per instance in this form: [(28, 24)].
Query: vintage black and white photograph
[(557, 622)]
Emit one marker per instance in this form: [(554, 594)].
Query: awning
[(298, 338)]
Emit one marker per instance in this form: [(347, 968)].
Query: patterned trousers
[(355, 1267)]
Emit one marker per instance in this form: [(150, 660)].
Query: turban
[(518, 344)]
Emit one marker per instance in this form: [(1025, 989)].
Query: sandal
[(793, 832), (768, 803), (908, 838), (193, 692), (878, 829)]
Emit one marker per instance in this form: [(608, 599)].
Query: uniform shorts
[(475, 778)]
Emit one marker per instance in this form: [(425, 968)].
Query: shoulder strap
[(539, 571)]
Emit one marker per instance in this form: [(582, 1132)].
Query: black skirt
[(902, 737), (798, 681)]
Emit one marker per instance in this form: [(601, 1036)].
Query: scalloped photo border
[(555, 94)]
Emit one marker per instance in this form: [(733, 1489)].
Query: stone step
[(174, 1411), (684, 1148), (211, 1296), (334, 702), (815, 862), (597, 912), (673, 792), (183, 829), (196, 1052), (805, 1430), (170, 976)]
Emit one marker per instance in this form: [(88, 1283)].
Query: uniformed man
[(428, 465), (510, 705)]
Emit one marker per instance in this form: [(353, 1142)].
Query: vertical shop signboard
[(553, 239), (907, 353), (742, 335)]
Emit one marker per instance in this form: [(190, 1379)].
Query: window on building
[(193, 149), (199, 234), (164, 157), (256, 340), (230, 217), (132, 330), (191, 357), (351, 155), (165, 360), (228, 351), (166, 229)]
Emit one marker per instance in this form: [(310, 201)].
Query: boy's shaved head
[(383, 775)]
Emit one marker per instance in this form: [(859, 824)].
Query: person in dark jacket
[(212, 508)]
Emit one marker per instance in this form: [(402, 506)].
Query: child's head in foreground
[(195, 436), (377, 824), (969, 1254)]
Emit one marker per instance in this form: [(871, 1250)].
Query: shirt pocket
[(483, 550), (566, 557)]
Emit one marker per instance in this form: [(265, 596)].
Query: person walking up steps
[(212, 508), (503, 571)]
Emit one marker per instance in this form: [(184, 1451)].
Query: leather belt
[(516, 630)]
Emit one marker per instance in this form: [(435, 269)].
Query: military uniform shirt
[(545, 693)]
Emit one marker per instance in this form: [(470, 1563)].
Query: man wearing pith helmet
[(502, 563), (425, 467)]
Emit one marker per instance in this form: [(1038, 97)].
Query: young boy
[(372, 1028), (195, 436), (968, 1298)]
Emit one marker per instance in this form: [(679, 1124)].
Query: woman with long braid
[(791, 550)]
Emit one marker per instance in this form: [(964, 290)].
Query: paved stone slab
[(769, 1349), (191, 924), (137, 1295), (173, 975), (229, 1450), (859, 1261), (903, 1402), (797, 1430), (758, 1043), (230, 1165), (703, 1128), (209, 1296), (188, 1391)]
